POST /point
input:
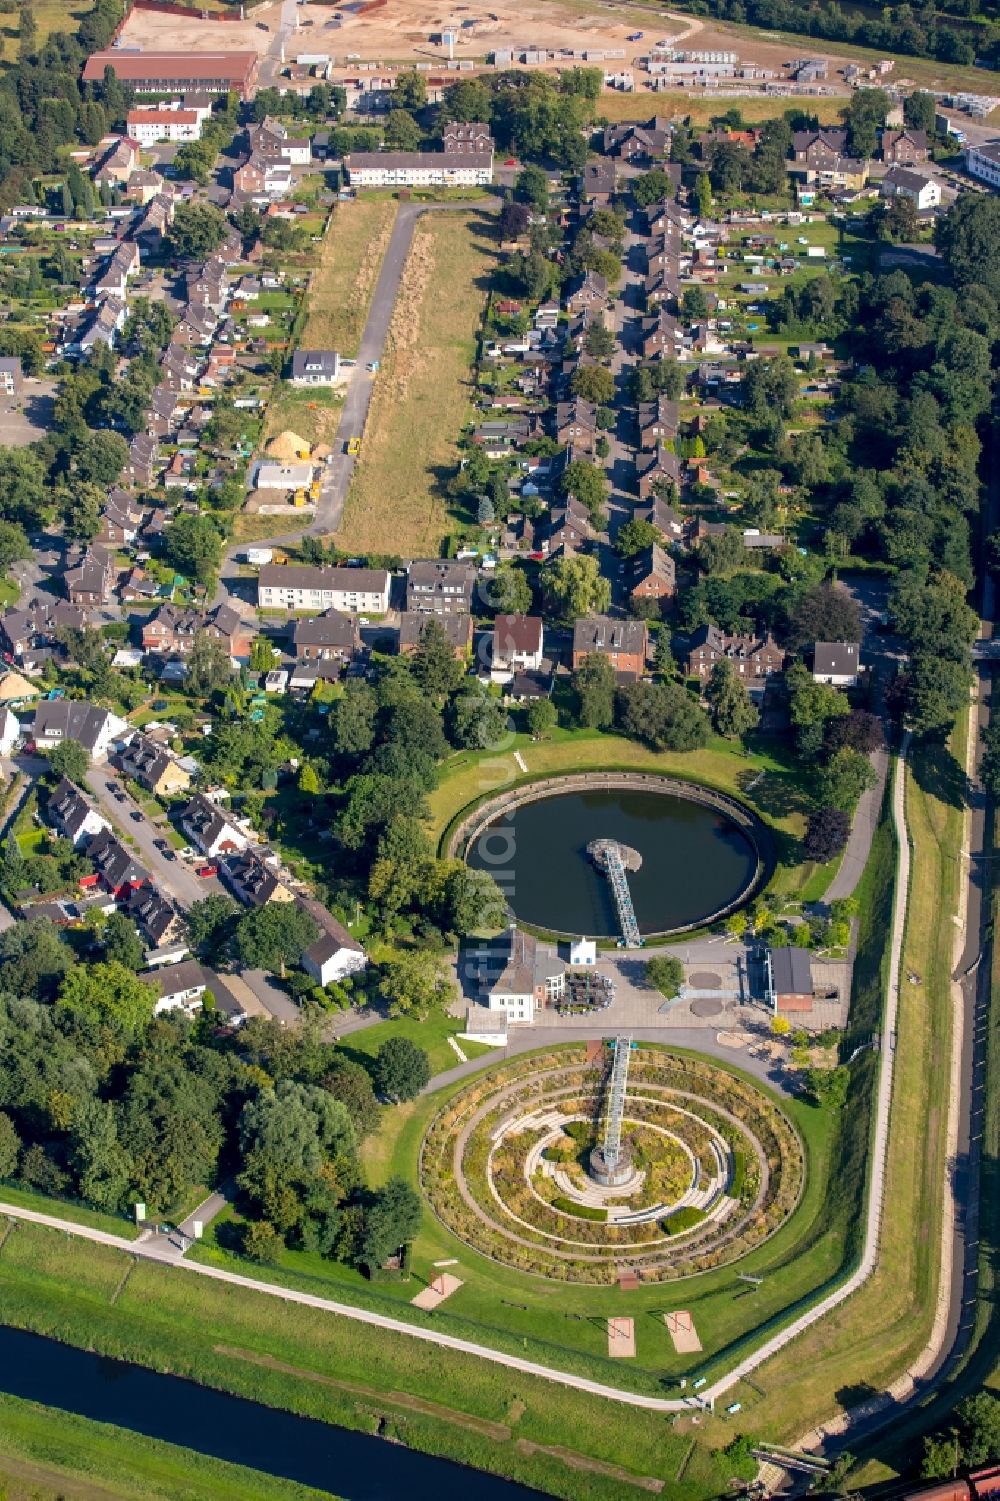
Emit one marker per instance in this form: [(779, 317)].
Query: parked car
[(161, 844), (136, 815), (207, 870)]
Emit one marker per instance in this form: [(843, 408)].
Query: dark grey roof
[(791, 971), (836, 658)]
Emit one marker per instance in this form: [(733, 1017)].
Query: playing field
[(423, 392)]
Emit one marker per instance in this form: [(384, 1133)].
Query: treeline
[(44, 106), (103, 1101), (896, 29)]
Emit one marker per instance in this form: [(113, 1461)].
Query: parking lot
[(28, 417)]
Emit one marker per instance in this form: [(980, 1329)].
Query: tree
[(10, 1147), (82, 512), (594, 687), (828, 1086), (532, 186), (194, 547), (477, 720), (825, 613), (353, 719), (210, 924), (541, 716), (24, 489), (400, 1069), (864, 117), (410, 91), (402, 133), (979, 1428), (600, 343), (826, 834), (508, 592), (846, 775), (588, 485), (651, 187), (100, 460), (101, 1164), (198, 229), (472, 902), (273, 936), (121, 943), (391, 1218), (108, 993), (433, 664), (574, 586), (666, 974), (514, 220), (593, 383), (308, 782), (703, 195), (208, 667), (69, 759), (635, 536), (663, 715), (919, 111), (262, 656), (733, 713), (14, 544)]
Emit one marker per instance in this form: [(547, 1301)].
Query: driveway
[(275, 1001), (176, 877)]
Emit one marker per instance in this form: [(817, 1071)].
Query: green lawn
[(431, 1034)]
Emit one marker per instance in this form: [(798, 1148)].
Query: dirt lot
[(155, 32)]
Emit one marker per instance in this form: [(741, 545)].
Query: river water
[(695, 860), (355, 1466)]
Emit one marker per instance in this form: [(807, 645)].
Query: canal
[(355, 1466)]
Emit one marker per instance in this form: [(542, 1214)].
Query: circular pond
[(696, 861)]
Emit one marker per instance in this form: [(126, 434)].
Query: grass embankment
[(762, 777), (342, 285), (564, 1443), (422, 393), (867, 1342), (701, 107), (47, 1454)]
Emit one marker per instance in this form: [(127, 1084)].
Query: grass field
[(46, 1453), (563, 1443), (431, 1034), (313, 415), (50, 15), (342, 285), (701, 107), (422, 393), (871, 1338), (760, 777)]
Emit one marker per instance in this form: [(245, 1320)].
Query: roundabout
[(551, 1165)]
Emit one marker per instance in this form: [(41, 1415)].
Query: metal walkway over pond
[(610, 858)]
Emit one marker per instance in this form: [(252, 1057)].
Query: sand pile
[(288, 446)]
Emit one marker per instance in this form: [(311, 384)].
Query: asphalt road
[(176, 877)]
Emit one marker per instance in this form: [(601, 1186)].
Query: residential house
[(37, 625), (658, 422), (457, 629), (90, 581), (569, 528), (153, 767), (236, 633), (335, 954), (624, 642), (156, 917), (361, 591), (180, 987), (113, 866), (59, 719), (576, 424), (118, 164), (600, 181), (901, 148), (147, 126), (418, 169), (120, 523), (517, 646), (818, 148), (983, 162), (210, 829), (170, 631), (754, 659), (315, 367), (440, 586), (656, 469), (641, 145), (467, 138), (10, 376), (143, 467), (661, 514), (902, 182), (75, 817), (837, 663), (520, 975), (101, 325), (651, 574), (255, 879), (588, 291), (143, 186), (661, 336), (330, 637), (113, 282)]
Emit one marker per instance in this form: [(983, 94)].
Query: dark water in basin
[(351, 1465), (695, 861)]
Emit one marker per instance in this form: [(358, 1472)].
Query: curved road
[(154, 1249)]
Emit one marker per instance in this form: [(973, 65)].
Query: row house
[(100, 327), (196, 328), (576, 424), (155, 222), (179, 368), (157, 919), (164, 411), (754, 659), (115, 278), (440, 587), (662, 284), (569, 529), (661, 337), (661, 218), (651, 574), (24, 629), (143, 466), (588, 291), (330, 637), (114, 867)]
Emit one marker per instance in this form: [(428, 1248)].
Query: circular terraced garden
[(715, 1166)]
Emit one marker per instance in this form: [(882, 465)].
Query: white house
[(272, 474), (62, 719), (517, 645), (210, 829), (150, 125), (837, 663), (983, 162), (524, 976), (418, 169), (363, 591), (582, 953), (73, 814), (903, 182), (315, 367), (10, 731), (336, 953)]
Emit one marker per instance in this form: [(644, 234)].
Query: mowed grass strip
[(702, 108), (423, 391), (47, 1453), (870, 1339), (343, 283)]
